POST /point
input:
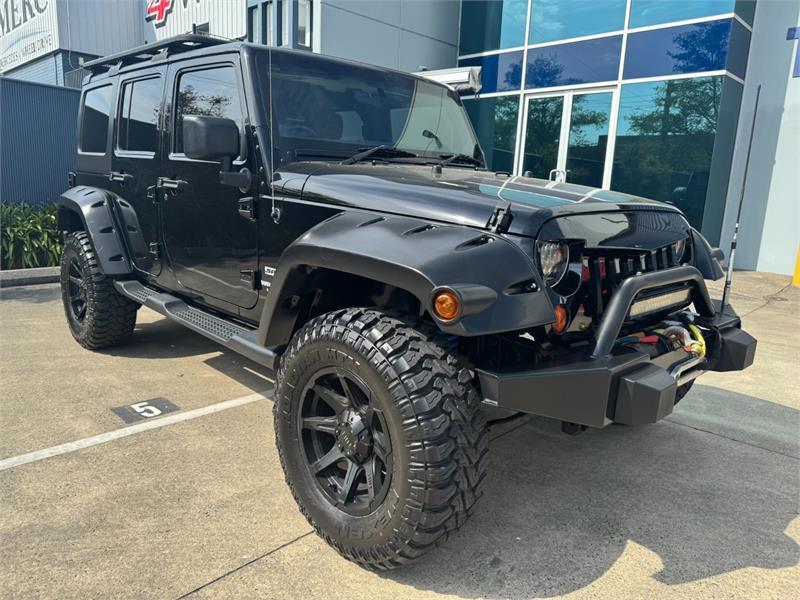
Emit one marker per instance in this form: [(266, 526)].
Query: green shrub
[(29, 237)]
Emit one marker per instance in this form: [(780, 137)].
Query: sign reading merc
[(28, 30)]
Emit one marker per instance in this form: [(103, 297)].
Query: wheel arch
[(400, 261), (89, 209)]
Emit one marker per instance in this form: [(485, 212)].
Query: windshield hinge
[(501, 218)]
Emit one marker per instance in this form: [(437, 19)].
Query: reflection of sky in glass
[(492, 25), (559, 19), (636, 98), (682, 49), (652, 12), (499, 72), (513, 23), (146, 98), (590, 114), (575, 62)]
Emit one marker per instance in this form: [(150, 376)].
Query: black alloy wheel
[(76, 290), (345, 438), (380, 434), (98, 315)]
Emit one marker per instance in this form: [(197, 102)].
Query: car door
[(136, 163), (211, 248)]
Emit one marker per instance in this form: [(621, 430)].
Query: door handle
[(120, 177), (175, 185)]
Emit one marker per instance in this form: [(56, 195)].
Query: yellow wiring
[(701, 342)]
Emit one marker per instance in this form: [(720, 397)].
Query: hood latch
[(501, 217)]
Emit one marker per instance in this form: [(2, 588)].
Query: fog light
[(446, 305), (659, 303)]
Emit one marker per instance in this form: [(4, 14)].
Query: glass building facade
[(627, 95)]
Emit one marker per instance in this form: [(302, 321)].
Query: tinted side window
[(138, 122), (94, 126), (211, 93)]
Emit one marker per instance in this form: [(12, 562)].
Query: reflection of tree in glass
[(669, 157), (689, 106), (544, 71), (702, 48), (190, 102), (513, 77), (505, 120), (584, 121)]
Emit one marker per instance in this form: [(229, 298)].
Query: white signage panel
[(28, 30)]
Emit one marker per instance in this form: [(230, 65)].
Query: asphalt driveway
[(192, 501)]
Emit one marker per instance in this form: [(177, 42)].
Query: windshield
[(333, 109)]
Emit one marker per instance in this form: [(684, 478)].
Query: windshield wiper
[(384, 149), (460, 158)]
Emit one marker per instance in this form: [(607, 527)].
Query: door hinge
[(252, 277), (247, 208), (155, 249)]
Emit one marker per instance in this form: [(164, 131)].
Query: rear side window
[(94, 126), (210, 93), (138, 122)]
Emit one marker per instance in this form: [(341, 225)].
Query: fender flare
[(419, 257), (93, 207)]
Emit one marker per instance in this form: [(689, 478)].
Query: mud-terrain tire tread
[(450, 433), (110, 317)]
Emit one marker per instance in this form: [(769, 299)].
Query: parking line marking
[(23, 459)]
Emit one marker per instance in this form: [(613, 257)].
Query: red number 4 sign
[(157, 10)]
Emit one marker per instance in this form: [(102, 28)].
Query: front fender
[(705, 258), (417, 256), (92, 208)]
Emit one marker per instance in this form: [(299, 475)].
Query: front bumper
[(629, 387)]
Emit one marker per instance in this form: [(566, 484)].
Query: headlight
[(678, 250), (553, 261)]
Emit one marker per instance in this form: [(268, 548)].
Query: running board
[(229, 334)]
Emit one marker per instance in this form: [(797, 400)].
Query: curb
[(14, 277)]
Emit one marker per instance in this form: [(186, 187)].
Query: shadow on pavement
[(166, 339), (37, 294), (710, 490), (558, 510)]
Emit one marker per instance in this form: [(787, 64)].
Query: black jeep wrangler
[(335, 223)]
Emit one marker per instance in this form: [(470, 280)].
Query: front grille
[(604, 270)]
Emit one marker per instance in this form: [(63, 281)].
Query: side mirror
[(215, 138), (210, 138)]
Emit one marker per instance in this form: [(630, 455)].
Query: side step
[(229, 334)]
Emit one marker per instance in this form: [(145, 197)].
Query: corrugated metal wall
[(37, 140), (46, 69), (102, 27)]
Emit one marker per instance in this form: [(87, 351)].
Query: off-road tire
[(109, 317), (437, 428)]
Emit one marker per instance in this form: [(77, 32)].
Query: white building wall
[(226, 18), (399, 34), (100, 27), (781, 232), (28, 30), (770, 223)]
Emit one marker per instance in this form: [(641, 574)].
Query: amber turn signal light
[(561, 322), (446, 305)]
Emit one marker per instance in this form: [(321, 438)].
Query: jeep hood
[(456, 195)]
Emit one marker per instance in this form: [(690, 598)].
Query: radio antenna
[(726, 291)]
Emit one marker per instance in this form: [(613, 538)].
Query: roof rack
[(160, 49)]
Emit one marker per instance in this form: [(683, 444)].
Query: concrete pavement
[(703, 504)]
